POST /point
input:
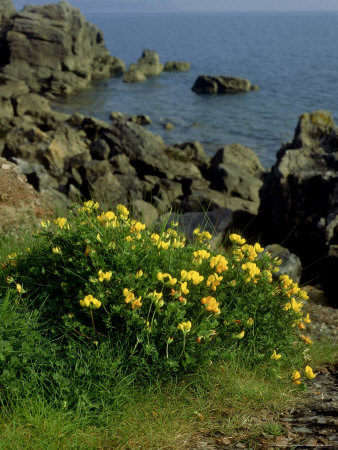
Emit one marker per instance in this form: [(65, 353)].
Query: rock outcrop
[(53, 49), (7, 10), (176, 66), (299, 198), (206, 84), (237, 171), (148, 65)]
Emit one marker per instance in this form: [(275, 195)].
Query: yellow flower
[(211, 304), (89, 206), (252, 269), (306, 339), (237, 239), (296, 377), (104, 275), (108, 219), (155, 238), (61, 222), (123, 212), (309, 373), (275, 355), (214, 281), (239, 335), (137, 227), (89, 300), (19, 288), (184, 288), (219, 262), (287, 306), (129, 296), (201, 235), (164, 245), (98, 237), (303, 295), (139, 274), (45, 223), (232, 283), (192, 275), (185, 327), (258, 248), (199, 255), (136, 303), (307, 318), (250, 322), (56, 250), (296, 306), (249, 251), (301, 326)]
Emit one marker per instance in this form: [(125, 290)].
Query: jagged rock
[(100, 149), (206, 84), (237, 171), (140, 119), (190, 151), (179, 66), (56, 51), (30, 104), (299, 198), (146, 212), (169, 126), (134, 76), (148, 65), (291, 264), (7, 10)]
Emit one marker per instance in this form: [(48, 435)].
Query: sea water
[(293, 57)]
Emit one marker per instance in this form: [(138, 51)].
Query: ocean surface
[(293, 57)]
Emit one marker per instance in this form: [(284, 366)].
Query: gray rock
[(149, 63), (206, 84), (134, 76), (140, 119), (299, 198), (179, 66), (291, 264), (144, 211), (54, 49), (237, 171), (100, 149)]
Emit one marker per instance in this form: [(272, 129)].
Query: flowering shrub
[(174, 305)]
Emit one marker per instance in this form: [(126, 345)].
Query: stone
[(56, 51), (237, 171), (149, 63), (100, 149), (140, 119), (205, 84), (299, 198), (179, 66), (144, 211), (291, 264), (134, 76), (169, 126)]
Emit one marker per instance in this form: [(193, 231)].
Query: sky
[(195, 5)]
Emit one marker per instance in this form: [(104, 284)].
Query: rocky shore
[(52, 51)]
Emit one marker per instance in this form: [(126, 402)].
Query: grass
[(64, 390), (225, 400)]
